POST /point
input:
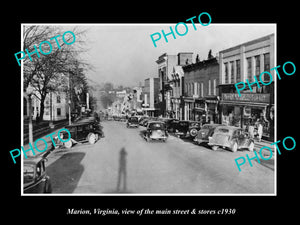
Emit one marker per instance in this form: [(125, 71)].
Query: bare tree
[(48, 73)]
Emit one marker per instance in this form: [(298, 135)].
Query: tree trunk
[(42, 107)]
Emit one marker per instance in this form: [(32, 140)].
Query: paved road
[(174, 167)]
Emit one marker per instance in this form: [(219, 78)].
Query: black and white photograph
[(149, 110), (112, 109)]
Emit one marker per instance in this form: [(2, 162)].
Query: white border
[(155, 194)]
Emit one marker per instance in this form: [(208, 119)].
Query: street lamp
[(70, 122), (29, 92)]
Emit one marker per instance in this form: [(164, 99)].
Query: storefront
[(212, 109), (247, 109)]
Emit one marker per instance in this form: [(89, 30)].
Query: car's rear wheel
[(68, 144), (234, 147), (251, 146), (92, 138)]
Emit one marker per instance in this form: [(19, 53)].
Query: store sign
[(248, 97)]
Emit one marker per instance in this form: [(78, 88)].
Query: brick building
[(243, 62), (200, 91)]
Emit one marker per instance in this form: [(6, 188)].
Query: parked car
[(230, 137), (187, 129), (206, 131), (145, 122), (156, 130), (82, 132), (169, 123), (35, 178), (132, 122)]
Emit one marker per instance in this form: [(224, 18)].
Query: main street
[(175, 167)]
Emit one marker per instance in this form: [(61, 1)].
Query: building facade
[(165, 64), (200, 91), (237, 64), (151, 96), (170, 76), (55, 106)]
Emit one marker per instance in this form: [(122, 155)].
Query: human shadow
[(122, 173)]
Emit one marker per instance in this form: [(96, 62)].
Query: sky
[(124, 54)]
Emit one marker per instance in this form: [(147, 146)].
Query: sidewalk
[(265, 152)]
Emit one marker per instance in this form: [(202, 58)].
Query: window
[(198, 89), (232, 72), (249, 71), (58, 99), (209, 87), (266, 77), (238, 70), (58, 111), (215, 87), (193, 90), (201, 89), (28, 173), (186, 89), (226, 73), (257, 66)]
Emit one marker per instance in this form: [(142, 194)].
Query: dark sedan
[(156, 130), (187, 129), (205, 132), (35, 179), (132, 122)]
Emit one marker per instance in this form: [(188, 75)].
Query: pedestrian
[(251, 129), (259, 130)]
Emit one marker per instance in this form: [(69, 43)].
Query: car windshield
[(72, 129), (183, 124), (28, 173), (133, 119), (194, 124), (223, 130), (157, 126), (206, 126)]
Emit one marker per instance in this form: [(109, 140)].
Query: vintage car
[(82, 132), (169, 123), (231, 137), (35, 178), (187, 129), (132, 122), (156, 130), (206, 131)]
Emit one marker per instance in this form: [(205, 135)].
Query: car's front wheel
[(92, 138), (193, 132), (214, 147), (68, 144)]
